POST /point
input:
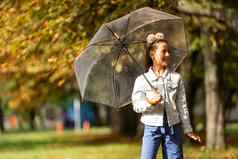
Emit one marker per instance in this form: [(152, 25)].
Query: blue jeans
[(171, 139)]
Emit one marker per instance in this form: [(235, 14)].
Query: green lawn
[(99, 144)]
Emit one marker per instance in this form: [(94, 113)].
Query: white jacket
[(172, 89)]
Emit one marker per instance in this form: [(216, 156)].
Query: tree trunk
[(192, 84), (124, 121), (220, 139), (214, 107), (32, 116), (151, 3), (2, 128), (115, 121)]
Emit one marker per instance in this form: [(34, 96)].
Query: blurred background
[(40, 112)]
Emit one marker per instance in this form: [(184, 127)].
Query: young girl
[(164, 111)]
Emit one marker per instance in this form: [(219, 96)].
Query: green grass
[(98, 144), (232, 128)]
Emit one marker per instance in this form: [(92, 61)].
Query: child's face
[(160, 55)]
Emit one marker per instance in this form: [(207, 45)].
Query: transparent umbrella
[(107, 68)]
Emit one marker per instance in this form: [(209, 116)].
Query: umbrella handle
[(157, 91), (156, 95)]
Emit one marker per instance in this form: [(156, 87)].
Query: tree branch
[(222, 16)]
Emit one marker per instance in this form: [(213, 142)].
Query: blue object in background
[(70, 113), (86, 112)]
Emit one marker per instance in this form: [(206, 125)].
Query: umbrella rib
[(181, 61), (108, 44), (127, 26), (115, 87), (102, 43), (138, 42), (141, 68), (134, 60)]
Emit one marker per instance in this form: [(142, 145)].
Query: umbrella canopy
[(115, 56)]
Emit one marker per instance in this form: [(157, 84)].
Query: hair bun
[(160, 36), (153, 37), (150, 38)]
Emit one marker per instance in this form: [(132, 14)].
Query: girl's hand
[(194, 137), (153, 97)]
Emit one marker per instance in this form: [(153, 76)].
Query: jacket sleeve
[(138, 97), (181, 104)]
